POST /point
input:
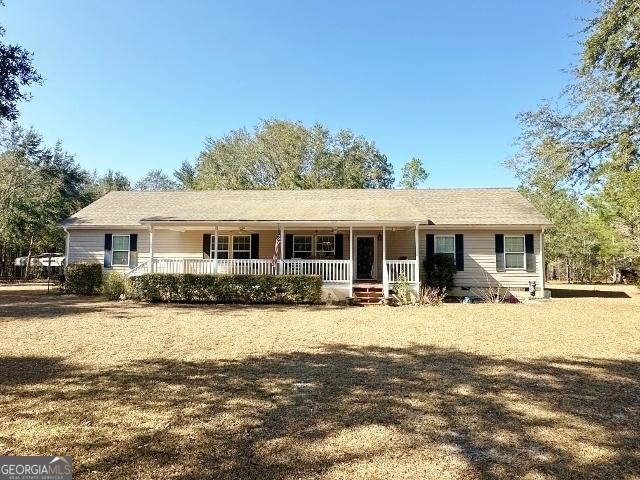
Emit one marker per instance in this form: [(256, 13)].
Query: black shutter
[(431, 255), (255, 245), (339, 246), (107, 250), (133, 250), (206, 245), (531, 256), (459, 252), (288, 246), (133, 242), (500, 253)]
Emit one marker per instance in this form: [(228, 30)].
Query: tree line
[(579, 153), (42, 185)]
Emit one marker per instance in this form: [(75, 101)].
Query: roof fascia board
[(89, 226), (284, 223), (476, 226)]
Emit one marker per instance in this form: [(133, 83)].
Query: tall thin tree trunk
[(26, 270)]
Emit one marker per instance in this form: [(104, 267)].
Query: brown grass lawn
[(535, 391)]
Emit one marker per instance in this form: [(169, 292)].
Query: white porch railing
[(236, 266), (138, 270), (330, 270), (246, 267), (396, 269), (336, 271)]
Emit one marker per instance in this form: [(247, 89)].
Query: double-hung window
[(326, 246), (514, 254), (120, 250), (223, 246), (446, 244), (302, 246), (242, 246)]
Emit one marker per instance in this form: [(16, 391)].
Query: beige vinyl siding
[(174, 244), (479, 249), (267, 242), (88, 246), (401, 243), (480, 259)]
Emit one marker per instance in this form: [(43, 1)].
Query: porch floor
[(367, 283)]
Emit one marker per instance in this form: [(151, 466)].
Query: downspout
[(151, 260), (385, 274), (66, 248)]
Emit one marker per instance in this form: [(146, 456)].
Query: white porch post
[(351, 260), (417, 239), (281, 263), (151, 263), (542, 269), (215, 250), (385, 276)]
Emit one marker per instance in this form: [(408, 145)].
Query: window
[(223, 246), (325, 246), (514, 252), (242, 246), (446, 244), (302, 246), (120, 250)]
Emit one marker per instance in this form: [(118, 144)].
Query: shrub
[(114, 286), (492, 292), (403, 294), (431, 296), (440, 272), (83, 278), (189, 288)]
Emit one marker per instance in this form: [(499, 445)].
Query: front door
[(365, 258)]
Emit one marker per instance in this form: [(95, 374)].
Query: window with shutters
[(446, 244), (120, 250), (302, 246), (326, 246), (514, 254), (242, 246), (223, 246)]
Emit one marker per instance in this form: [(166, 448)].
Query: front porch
[(342, 257)]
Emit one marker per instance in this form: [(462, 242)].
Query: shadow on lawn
[(268, 417), (31, 370), (586, 292), (31, 304)]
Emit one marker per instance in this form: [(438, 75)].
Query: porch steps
[(368, 294)]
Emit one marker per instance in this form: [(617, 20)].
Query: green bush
[(189, 288), (83, 278), (114, 285), (440, 272)]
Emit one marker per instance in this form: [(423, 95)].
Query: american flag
[(274, 259)]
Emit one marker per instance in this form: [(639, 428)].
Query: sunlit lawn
[(547, 390)]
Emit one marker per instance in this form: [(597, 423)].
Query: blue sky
[(136, 85)]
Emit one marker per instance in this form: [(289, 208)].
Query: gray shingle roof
[(473, 206)]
